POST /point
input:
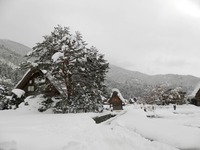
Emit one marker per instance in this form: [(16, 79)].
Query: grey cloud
[(131, 33)]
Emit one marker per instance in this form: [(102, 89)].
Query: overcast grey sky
[(150, 36)]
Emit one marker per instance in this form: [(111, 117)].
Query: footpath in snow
[(129, 130)]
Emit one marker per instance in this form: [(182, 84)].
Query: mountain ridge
[(130, 83), (15, 47), (134, 83), (12, 53)]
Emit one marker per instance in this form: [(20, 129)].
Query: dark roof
[(114, 97), (197, 96), (58, 84)]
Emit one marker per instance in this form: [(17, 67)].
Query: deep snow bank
[(176, 128), (131, 129)]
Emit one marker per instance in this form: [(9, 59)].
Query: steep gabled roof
[(197, 96), (58, 84), (118, 94), (25, 78)]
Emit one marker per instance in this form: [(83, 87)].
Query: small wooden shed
[(116, 100)]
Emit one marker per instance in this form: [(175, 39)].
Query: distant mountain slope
[(11, 55), (12, 52), (14, 47), (130, 83), (133, 83)]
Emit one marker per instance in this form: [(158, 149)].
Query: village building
[(37, 81), (116, 100), (196, 100)]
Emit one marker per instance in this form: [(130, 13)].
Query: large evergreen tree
[(82, 69)]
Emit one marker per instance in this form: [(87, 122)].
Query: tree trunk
[(68, 83)]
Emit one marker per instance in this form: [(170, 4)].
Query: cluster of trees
[(3, 99), (162, 95), (81, 69), (8, 75)]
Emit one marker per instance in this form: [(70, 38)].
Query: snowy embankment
[(131, 129), (180, 128)]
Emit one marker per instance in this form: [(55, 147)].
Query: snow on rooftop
[(118, 93), (195, 90), (2, 88), (18, 92), (44, 71), (23, 77)]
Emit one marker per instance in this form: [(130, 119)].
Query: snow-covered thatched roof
[(58, 84), (194, 92), (118, 94)]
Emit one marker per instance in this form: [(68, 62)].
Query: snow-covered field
[(23, 129)]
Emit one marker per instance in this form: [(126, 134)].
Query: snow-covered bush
[(3, 97), (79, 108), (162, 95), (5, 102), (40, 103), (46, 104), (3, 90), (2, 102), (17, 97), (36, 103)]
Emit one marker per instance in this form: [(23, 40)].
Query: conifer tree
[(81, 69)]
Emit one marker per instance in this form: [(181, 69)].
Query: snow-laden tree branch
[(69, 60)]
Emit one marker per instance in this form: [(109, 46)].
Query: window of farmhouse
[(30, 88), (30, 81)]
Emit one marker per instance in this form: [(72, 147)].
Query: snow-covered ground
[(23, 129)]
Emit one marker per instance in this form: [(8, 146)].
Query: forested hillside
[(130, 83), (15, 47), (134, 84), (11, 55)]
